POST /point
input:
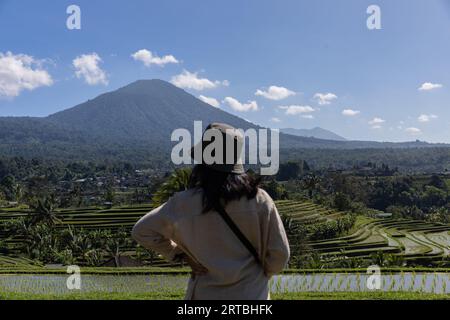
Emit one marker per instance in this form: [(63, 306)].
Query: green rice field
[(425, 242), (413, 239), (112, 286)]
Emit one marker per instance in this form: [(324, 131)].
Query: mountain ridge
[(316, 132), (137, 120), (145, 110)]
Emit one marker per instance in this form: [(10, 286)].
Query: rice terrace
[(398, 245)]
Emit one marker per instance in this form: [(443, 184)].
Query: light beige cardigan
[(180, 226)]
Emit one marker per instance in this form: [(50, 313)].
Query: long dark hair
[(222, 187)]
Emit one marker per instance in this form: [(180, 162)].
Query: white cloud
[(211, 101), (293, 110), (324, 98), (275, 119), (275, 93), (426, 117), (188, 80), (87, 67), (242, 107), (376, 120), (413, 131), (427, 86), (148, 58), (21, 72), (308, 116), (350, 112), (376, 123)]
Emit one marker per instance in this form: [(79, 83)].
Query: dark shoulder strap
[(238, 232)]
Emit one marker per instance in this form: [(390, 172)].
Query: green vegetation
[(359, 296), (326, 230), (278, 296), (176, 182), (338, 223), (96, 296), (327, 238), (39, 270), (83, 236)]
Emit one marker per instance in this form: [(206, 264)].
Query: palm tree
[(3, 247), (395, 260), (115, 244), (314, 261), (290, 225), (81, 243), (177, 181), (18, 192), (143, 253), (311, 182), (378, 258), (43, 211), (298, 239), (42, 242)]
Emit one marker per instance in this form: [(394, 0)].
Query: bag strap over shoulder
[(222, 212)]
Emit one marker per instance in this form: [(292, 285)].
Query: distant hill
[(134, 124), (145, 111), (316, 132)]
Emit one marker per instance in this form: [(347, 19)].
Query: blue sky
[(319, 56)]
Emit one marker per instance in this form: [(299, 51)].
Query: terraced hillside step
[(414, 239)]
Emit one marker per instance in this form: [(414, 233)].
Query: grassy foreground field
[(167, 284), (25, 269), (180, 295)]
